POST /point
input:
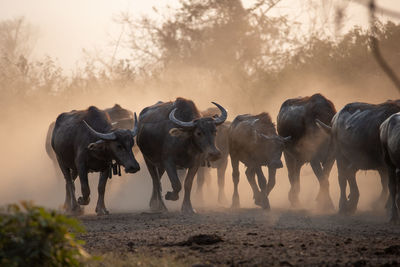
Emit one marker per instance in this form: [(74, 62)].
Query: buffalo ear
[(175, 132), (97, 146)]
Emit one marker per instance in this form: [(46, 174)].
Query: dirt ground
[(248, 237)]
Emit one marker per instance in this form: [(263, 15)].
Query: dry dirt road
[(248, 237)]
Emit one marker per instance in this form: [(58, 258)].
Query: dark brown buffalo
[(297, 118), (120, 118), (355, 132), (221, 142), (84, 141), (390, 140), (174, 135), (254, 142)]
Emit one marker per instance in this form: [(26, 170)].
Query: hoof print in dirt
[(202, 265), (393, 250), (200, 240), (130, 245)]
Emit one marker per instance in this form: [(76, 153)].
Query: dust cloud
[(28, 174)]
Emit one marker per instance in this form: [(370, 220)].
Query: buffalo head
[(272, 145), (117, 144), (202, 131)]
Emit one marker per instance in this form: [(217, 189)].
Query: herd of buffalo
[(176, 135)]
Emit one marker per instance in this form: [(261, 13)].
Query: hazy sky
[(66, 27)]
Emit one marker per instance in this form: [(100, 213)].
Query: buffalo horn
[(135, 127), (103, 136), (220, 119), (323, 126), (277, 137), (184, 124), (270, 137)]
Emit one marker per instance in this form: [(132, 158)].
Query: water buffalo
[(83, 142), (390, 140), (174, 135), (221, 141), (297, 118), (355, 132), (254, 142), (120, 118)]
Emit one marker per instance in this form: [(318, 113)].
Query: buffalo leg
[(156, 202), (262, 183), (187, 204), (383, 198), (221, 182), (71, 204), (354, 192), (235, 179), (293, 167), (181, 174), (200, 183), (323, 198), (393, 175), (170, 168), (342, 179), (69, 188), (397, 185), (250, 174), (83, 177), (271, 180), (101, 207), (393, 188)]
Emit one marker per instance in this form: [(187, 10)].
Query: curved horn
[(103, 136), (134, 131), (224, 114), (184, 124), (277, 137), (323, 126), (272, 137), (268, 137)]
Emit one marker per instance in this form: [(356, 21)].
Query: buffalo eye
[(198, 133), (119, 146)]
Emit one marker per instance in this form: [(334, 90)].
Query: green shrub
[(34, 236)]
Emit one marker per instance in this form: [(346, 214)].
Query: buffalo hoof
[(76, 211), (294, 201), (351, 207), (187, 209), (235, 203), (157, 205), (172, 196), (263, 202), (102, 211), (394, 219), (325, 204), (82, 201), (347, 209)]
